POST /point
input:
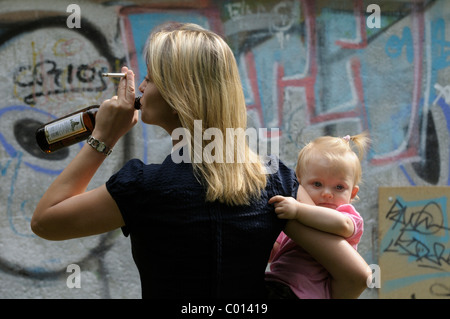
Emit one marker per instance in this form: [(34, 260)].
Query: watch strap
[(99, 146)]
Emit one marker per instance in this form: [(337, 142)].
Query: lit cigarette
[(113, 75)]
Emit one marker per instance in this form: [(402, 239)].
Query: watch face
[(94, 142), (101, 147)]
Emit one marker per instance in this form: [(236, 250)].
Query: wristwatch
[(99, 146)]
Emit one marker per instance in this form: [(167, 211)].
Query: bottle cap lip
[(137, 103)]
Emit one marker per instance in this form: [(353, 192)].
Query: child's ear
[(355, 191)]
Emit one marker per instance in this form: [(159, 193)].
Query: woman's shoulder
[(126, 177), (276, 167), (281, 178)]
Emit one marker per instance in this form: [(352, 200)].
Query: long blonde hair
[(196, 73), (336, 150)]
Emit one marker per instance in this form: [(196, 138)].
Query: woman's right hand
[(116, 116)]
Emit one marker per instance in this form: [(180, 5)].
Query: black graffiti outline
[(410, 245), (38, 79), (440, 290)]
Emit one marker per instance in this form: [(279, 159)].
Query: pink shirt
[(294, 267)]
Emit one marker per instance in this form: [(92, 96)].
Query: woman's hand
[(67, 210), (117, 115)]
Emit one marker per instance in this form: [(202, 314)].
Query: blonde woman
[(329, 170), (198, 228)]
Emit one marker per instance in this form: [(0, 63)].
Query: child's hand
[(285, 207)]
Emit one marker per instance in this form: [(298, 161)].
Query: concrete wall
[(308, 67)]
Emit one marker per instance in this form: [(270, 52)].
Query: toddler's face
[(329, 187)]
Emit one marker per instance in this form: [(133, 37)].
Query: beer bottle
[(70, 129)]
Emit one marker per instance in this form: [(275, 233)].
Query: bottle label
[(65, 128)]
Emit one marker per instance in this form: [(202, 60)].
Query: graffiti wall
[(307, 67)]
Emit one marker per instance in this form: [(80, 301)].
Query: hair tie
[(347, 138)]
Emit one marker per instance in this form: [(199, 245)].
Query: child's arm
[(321, 218), (348, 270)]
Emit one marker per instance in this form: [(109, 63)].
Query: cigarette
[(113, 75)]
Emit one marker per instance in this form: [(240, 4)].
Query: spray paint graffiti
[(281, 46), (48, 78), (427, 218), (415, 242)]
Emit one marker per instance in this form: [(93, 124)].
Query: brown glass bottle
[(70, 129)]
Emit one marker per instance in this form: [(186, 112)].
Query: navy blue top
[(185, 247)]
